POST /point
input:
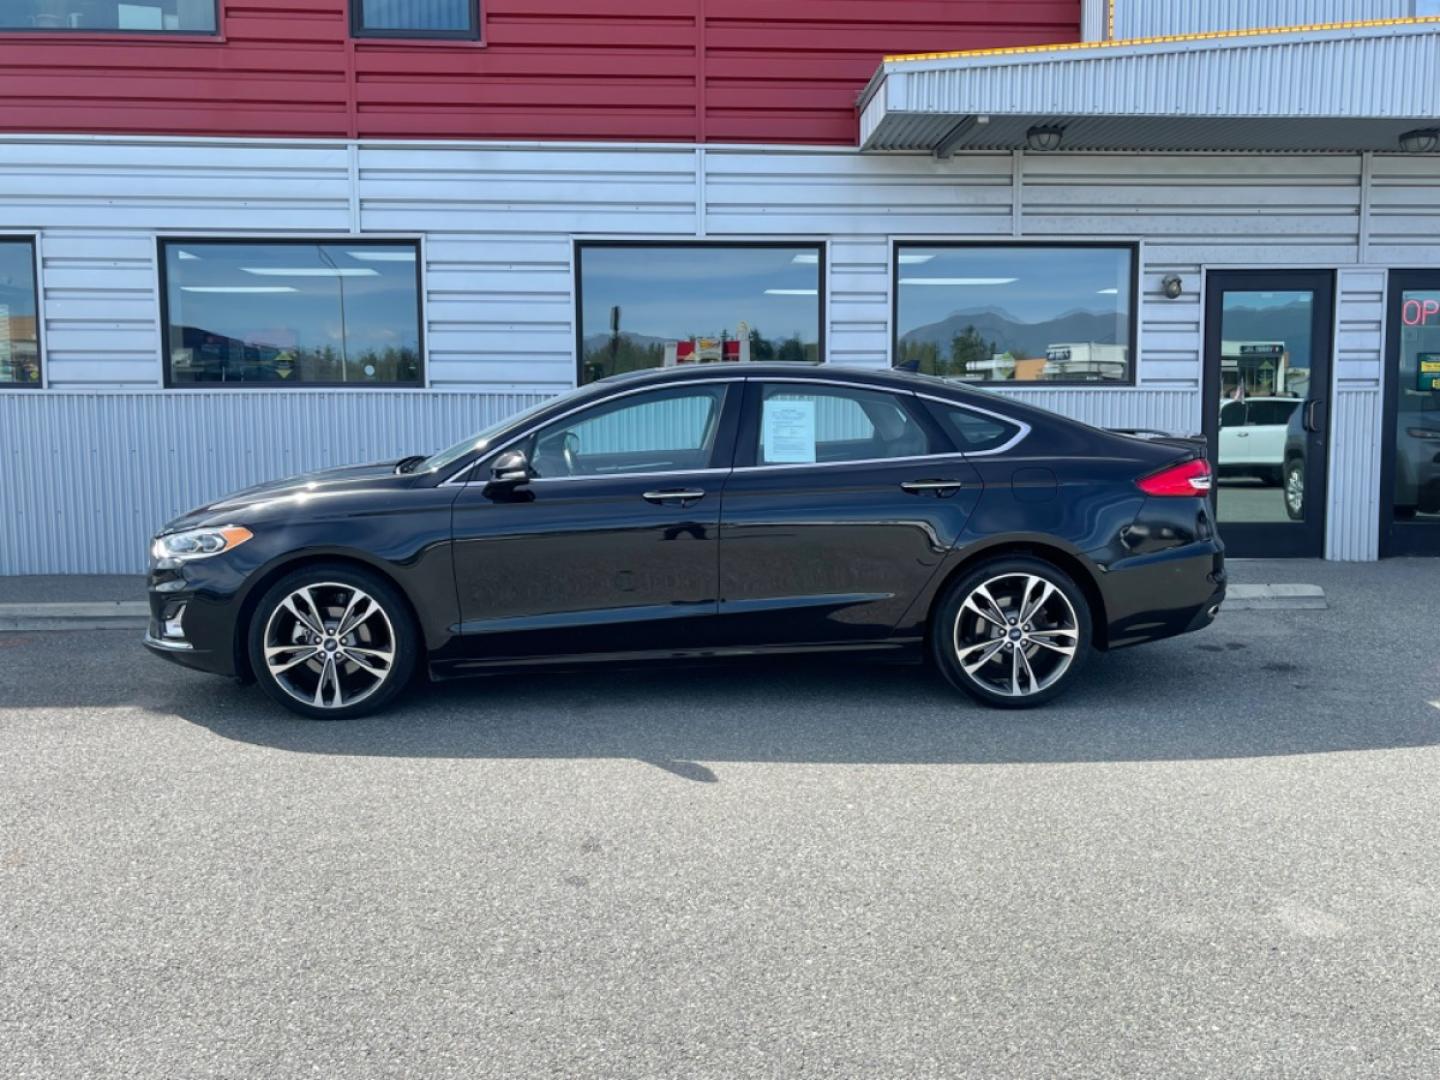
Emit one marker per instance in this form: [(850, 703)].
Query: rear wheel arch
[(1073, 566)]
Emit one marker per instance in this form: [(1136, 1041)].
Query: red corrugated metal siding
[(773, 70)]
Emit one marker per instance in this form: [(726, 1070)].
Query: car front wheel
[(332, 642), (1012, 633)]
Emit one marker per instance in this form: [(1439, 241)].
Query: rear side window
[(804, 425), (973, 432)]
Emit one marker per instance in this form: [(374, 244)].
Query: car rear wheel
[(1012, 633), (332, 642)]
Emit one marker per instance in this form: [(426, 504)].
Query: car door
[(611, 545), (844, 502)]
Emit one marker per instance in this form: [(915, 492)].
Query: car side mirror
[(511, 469)]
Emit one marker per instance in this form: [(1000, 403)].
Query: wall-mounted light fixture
[(1044, 137), (1420, 141), (1172, 286)]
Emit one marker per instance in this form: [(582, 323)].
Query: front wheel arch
[(256, 591)]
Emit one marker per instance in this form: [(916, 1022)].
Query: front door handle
[(1312, 407), (683, 496), (940, 487)]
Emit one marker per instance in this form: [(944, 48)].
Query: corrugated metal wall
[(1154, 18), (498, 224), (688, 70), (85, 478)]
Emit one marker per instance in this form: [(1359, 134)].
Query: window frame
[(422, 381), (33, 240), (821, 246), (360, 31), (92, 32), (726, 415), (1131, 379)]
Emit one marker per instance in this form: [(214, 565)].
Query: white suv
[(1252, 437)]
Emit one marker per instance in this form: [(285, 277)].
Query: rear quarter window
[(973, 432)]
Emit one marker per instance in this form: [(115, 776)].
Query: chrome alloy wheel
[(329, 645), (1016, 635)]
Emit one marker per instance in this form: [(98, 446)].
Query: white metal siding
[(88, 477), (1153, 18), (498, 224)]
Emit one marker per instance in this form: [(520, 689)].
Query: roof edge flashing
[(1175, 42)]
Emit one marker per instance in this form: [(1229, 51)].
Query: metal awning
[(1339, 87)]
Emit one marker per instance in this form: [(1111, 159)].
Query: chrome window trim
[(455, 478), (1023, 429), (628, 475)]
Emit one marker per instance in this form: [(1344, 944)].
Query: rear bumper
[(1151, 597)]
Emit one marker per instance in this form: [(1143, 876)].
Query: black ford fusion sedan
[(723, 510)]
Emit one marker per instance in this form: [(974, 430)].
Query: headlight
[(199, 543)]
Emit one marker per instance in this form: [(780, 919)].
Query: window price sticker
[(788, 432), (1429, 371)]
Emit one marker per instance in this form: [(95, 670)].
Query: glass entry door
[(1267, 385), (1410, 481)]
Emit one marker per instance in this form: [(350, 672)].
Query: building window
[(19, 336), (292, 313), (142, 16), (649, 306), (415, 18), (1062, 313)]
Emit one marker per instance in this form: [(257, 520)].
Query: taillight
[(1188, 478)]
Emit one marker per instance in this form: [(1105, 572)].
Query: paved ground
[(1216, 859)]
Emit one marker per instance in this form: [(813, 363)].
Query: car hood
[(279, 497)]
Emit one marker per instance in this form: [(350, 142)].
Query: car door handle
[(915, 487), (1312, 423), (683, 496)]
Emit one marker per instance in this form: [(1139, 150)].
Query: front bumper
[(193, 613)]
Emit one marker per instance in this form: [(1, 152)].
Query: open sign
[(1420, 312)]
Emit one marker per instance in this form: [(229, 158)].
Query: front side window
[(292, 313), (144, 16), (415, 18), (809, 425), (1016, 313), (650, 306), (19, 337), (663, 431)]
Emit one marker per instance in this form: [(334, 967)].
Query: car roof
[(822, 372)]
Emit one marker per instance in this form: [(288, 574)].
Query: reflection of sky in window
[(677, 293), (1031, 285), (250, 296), (17, 279)]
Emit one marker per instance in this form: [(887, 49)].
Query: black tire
[(1292, 489), (392, 630), (949, 637)]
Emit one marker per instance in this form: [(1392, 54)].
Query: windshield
[(448, 457)]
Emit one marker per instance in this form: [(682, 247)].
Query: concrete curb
[(107, 615), (1274, 598)]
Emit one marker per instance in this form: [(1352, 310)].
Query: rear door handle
[(941, 487), (683, 496)]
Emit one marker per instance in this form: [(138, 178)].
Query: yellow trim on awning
[(1216, 35)]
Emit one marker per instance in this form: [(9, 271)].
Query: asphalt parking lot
[(1216, 858)]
